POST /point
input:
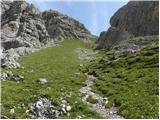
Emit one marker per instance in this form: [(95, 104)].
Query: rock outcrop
[(137, 18), (61, 27), (24, 26)]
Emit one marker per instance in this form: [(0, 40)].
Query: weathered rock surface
[(42, 81), (61, 26), (137, 18), (24, 26), (133, 45), (45, 108), (112, 37), (99, 107), (18, 78)]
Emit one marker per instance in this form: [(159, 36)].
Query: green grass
[(91, 100), (57, 65), (130, 83)]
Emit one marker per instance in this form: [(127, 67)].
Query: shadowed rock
[(137, 18)]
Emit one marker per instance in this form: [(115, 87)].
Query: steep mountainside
[(60, 27), (134, 19), (24, 29), (127, 66)]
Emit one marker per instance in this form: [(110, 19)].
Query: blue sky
[(94, 14)]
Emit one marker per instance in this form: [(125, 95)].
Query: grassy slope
[(57, 65), (130, 83)]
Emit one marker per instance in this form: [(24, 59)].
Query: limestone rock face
[(22, 25), (61, 26), (137, 18), (111, 37), (25, 29), (5, 5)]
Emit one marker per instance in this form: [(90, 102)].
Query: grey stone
[(42, 81), (3, 76), (44, 108), (18, 78), (79, 117)]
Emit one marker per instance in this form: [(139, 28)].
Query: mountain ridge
[(24, 29)]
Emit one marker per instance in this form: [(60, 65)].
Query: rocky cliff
[(61, 27), (137, 18), (24, 28)]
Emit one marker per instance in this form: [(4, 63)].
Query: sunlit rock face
[(61, 26), (24, 29), (22, 25), (137, 18)]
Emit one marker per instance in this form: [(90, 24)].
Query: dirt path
[(99, 107)]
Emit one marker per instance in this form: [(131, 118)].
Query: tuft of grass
[(131, 83), (58, 65), (91, 100)]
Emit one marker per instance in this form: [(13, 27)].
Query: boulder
[(42, 81), (18, 78), (44, 108)]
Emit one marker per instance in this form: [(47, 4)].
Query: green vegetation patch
[(130, 83), (91, 100), (58, 65)]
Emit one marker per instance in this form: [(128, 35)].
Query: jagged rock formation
[(137, 18), (24, 26), (5, 5), (61, 26)]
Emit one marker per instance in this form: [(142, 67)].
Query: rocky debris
[(18, 78), (42, 81), (130, 47), (12, 111), (61, 27), (65, 107), (137, 18), (79, 117), (45, 108), (5, 75), (85, 54), (9, 57), (98, 106)]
